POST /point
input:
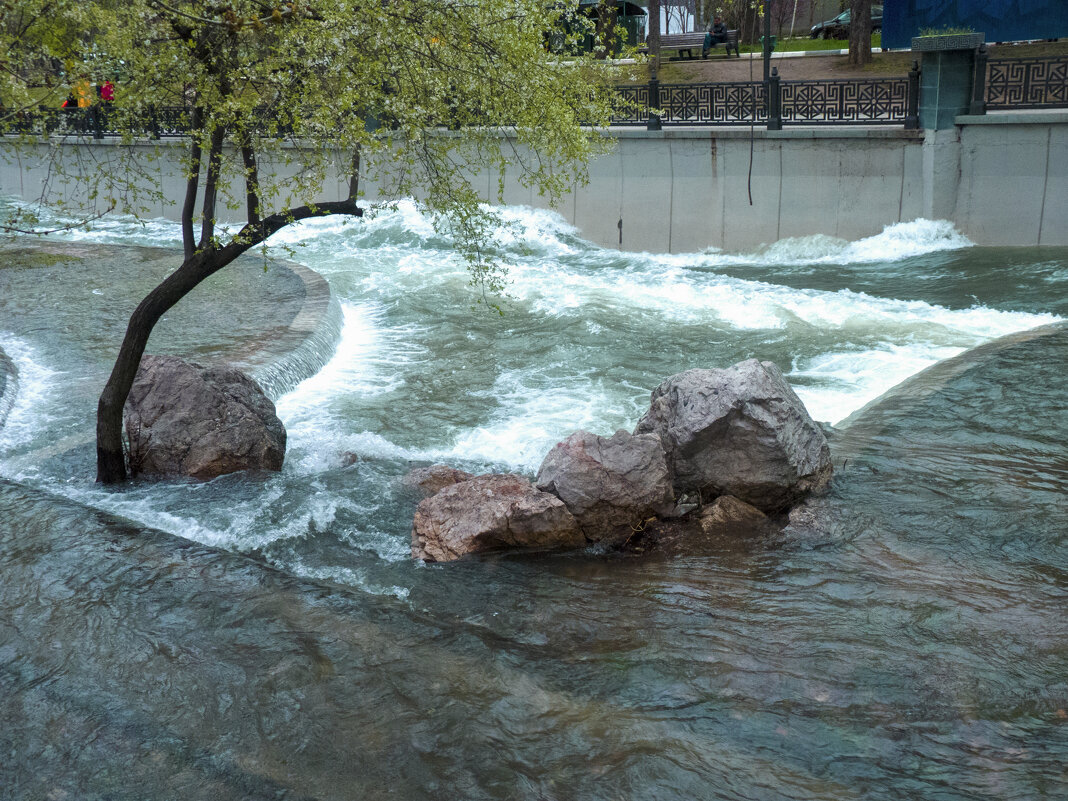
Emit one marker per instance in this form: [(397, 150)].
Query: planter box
[(949, 41)]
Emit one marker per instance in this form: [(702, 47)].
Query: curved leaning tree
[(319, 90)]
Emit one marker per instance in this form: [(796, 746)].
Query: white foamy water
[(845, 382), (895, 242), (419, 375), (530, 421), (35, 388)]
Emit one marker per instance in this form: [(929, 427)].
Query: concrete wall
[(1000, 178), (1013, 179)]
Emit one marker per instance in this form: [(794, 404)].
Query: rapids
[(915, 647)]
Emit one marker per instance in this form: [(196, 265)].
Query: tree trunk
[(110, 458), (860, 33)]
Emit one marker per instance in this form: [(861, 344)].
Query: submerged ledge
[(934, 378), (279, 358)]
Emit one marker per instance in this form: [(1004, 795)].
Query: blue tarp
[(1000, 20)]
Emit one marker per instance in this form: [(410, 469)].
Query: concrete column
[(941, 173)]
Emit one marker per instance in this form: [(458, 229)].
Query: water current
[(269, 636)]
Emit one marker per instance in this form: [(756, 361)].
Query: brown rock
[(729, 513), (491, 512), (431, 480), (186, 420), (608, 483)]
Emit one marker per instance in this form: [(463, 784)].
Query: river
[(269, 636)]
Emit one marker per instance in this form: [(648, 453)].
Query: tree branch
[(192, 184), (211, 187), (252, 177)]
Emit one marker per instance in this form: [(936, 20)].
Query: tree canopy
[(417, 89)]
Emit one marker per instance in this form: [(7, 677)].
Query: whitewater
[(420, 373)]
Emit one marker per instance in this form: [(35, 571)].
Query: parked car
[(838, 28)]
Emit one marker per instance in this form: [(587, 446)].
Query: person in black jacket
[(717, 34)]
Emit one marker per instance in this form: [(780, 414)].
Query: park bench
[(695, 40)]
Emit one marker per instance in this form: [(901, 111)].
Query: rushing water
[(914, 646)]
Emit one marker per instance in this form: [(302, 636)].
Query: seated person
[(717, 34)]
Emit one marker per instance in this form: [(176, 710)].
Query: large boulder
[(739, 431), (608, 483), (183, 419), (488, 513)]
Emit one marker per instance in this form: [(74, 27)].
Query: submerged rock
[(739, 431), (608, 483), (491, 512), (728, 513), (183, 419), (431, 480)]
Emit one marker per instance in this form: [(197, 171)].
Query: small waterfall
[(9, 386), (281, 375)]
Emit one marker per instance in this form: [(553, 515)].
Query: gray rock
[(608, 482), (431, 480), (739, 431), (186, 420), (492, 512)]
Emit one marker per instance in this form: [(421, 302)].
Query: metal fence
[(1016, 83), (865, 101), (737, 103), (1023, 83), (876, 101), (99, 121)]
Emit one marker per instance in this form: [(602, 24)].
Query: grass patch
[(806, 44)]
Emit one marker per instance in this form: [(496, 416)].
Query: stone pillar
[(946, 80)]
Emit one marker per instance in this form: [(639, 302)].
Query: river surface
[(269, 636)]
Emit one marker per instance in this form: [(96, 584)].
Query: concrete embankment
[(1002, 179)]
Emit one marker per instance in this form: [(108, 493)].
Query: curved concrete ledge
[(278, 362), (867, 422), (282, 361), (9, 385)]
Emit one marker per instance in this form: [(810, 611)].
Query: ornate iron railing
[(1022, 83), (636, 105), (866, 101), (99, 121), (875, 101), (738, 103), (869, 101)]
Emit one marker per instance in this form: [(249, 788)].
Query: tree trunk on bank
[(860, 32)]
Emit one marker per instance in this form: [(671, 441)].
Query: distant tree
[(331, 84), (860, 32)]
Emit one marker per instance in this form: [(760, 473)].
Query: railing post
[(912, 108), (654, 102), (153, 122), (774, 101), (978, 104), (94, 116)]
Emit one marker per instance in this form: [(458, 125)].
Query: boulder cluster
[(724, 447)]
